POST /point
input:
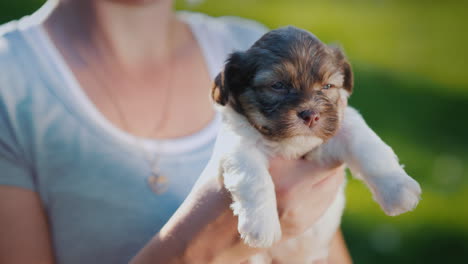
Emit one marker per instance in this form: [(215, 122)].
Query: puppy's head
[(287, 84)]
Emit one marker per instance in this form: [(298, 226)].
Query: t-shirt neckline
[(83, 105)]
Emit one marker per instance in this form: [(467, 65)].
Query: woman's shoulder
[(14, 65), (16, 54), (20, 75), (10, 41), (15, 93), (245, 31), (239, 33)]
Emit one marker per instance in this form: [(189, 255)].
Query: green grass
[(10, 10), (418, 37), (427, 131), (428, 134)]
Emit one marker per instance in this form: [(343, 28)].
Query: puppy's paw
[(259, 228), (397, 193)]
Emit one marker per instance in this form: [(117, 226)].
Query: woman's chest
[(163, 101), (98, 198)]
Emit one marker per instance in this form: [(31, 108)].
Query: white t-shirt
[(91, 176)]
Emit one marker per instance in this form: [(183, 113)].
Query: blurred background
[(411, 85)]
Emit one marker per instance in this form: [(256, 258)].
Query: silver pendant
[(158, 183)]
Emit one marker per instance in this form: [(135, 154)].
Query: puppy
[(287, 96)]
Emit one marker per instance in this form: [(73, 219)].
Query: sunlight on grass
[(407, 37), (436, 209)]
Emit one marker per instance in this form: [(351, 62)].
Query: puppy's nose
[(310, 117)]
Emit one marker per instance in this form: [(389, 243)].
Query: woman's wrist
[(214, 227), (203, 230)]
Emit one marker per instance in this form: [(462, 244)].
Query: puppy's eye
[(327, 86), (279, 87)]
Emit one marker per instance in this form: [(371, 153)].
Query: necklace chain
[(156, 181)]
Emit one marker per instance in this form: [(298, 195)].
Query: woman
[(106, 125)]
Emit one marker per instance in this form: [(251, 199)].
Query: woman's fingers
[(331, 182), (305, 194), (310, 194), (289, 173)]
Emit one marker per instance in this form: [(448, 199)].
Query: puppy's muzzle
[(309, 117)]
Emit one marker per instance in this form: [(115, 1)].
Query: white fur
[(240, 159), (370, 159)]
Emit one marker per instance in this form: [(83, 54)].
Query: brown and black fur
[(282, 74)]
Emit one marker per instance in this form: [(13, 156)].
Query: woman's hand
[(204, 229), (304, 191)]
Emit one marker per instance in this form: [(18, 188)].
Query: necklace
[(156, 181)]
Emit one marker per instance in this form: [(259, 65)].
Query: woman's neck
[(129, 36)]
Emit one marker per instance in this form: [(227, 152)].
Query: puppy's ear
[(229, 81), (348, 83), (219, 93)]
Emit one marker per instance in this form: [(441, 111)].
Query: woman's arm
[(204, 230), (201, 231), (24, 234)]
